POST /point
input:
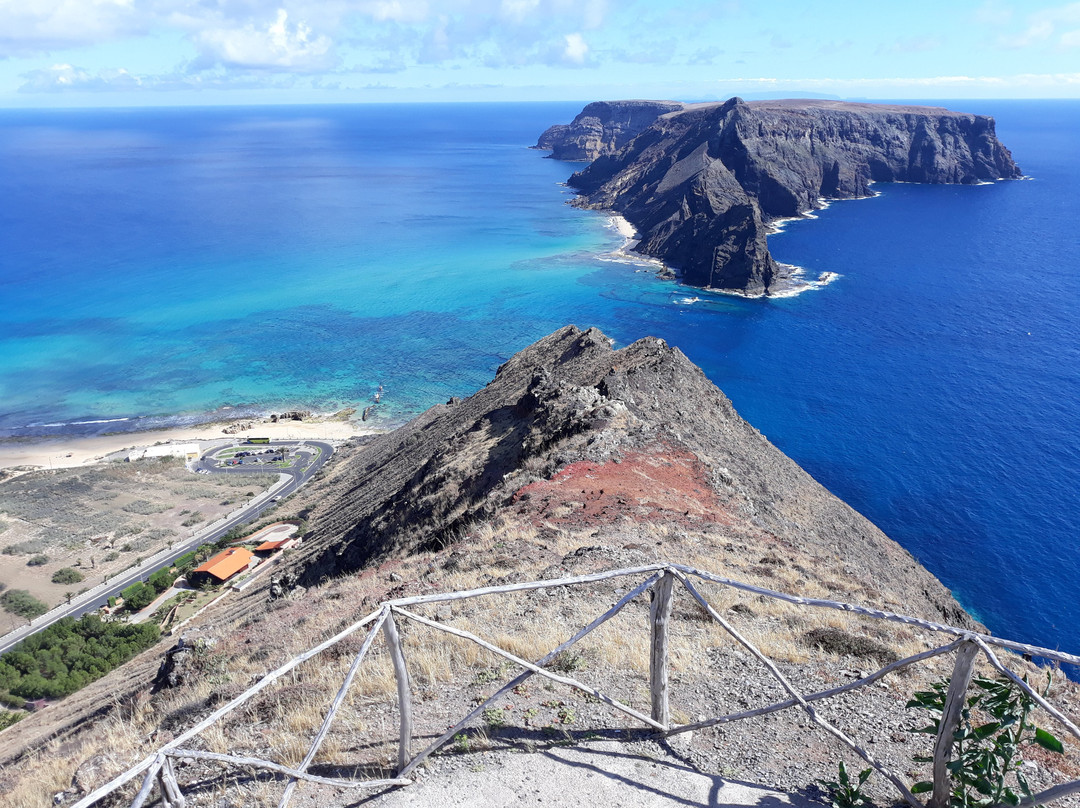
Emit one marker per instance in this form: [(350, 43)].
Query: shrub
[(845, 793), (161, 580), (66, 575), (22, 603), (25, 547), (840, 642), (138, 596), (144, 507), (185, 563), (37, 560), (12, 701)]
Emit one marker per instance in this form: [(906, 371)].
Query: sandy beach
[(71, 452)]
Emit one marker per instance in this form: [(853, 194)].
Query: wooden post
[(401, 673), (950, 720), (148, 782), (660, 613), (171, 796)]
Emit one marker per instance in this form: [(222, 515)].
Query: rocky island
[(702, 183)]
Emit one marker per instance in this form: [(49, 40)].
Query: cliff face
[(602, 127), (702, 184), (572, 434)]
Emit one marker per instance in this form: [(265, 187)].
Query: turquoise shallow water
[(161, 265)]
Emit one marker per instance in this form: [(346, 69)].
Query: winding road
[(290, 479)]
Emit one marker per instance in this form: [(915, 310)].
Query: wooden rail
[(157, 769)]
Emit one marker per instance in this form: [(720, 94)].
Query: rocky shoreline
[(704, 183)]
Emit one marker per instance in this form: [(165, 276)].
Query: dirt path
[(602, 773)]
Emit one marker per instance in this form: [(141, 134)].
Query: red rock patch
[(662, 484)]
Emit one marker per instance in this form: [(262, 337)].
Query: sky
[(175, 52)]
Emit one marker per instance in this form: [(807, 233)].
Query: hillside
[(575, 458)]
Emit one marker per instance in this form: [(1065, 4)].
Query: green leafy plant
[(986, 766), (494, 717), (843, 791)]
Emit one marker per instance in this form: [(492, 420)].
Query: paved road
[(290, 480)]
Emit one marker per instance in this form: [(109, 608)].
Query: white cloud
[(277, 46), (576, 49), (405, 11), (1029, 81), (518, 11), (1044, 26), (993, 13), (36, 26), (65, 77)]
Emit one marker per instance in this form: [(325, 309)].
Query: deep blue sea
[(158, 266)]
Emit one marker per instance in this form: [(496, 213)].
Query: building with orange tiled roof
[(224, 565), (278, 544)]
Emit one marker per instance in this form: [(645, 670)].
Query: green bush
[(11, 701), (185, 563), (37, 560), (25, 547), (70, 654), (67, 575), (161, 580), (987, 768), (138, 596), (22, 603)]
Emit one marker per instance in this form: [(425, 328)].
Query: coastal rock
[(642, 432), (703, 184), (603, 127)]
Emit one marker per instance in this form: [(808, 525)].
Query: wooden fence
[(157, 769)]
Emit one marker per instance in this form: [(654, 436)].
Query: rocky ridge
[(575, 458), (702, 184), (637, 432), (602, 127)]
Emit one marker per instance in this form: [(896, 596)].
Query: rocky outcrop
[(640, 435), (602, 127), (701, 185)]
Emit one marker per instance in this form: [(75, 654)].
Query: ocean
[(172, 266)]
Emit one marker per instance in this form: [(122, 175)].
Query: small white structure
[(188, 451)]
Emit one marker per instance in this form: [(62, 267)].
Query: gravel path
[(602, 773)]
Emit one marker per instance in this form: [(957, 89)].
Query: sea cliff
[(602, 127), (576, 458), (702, 183)]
